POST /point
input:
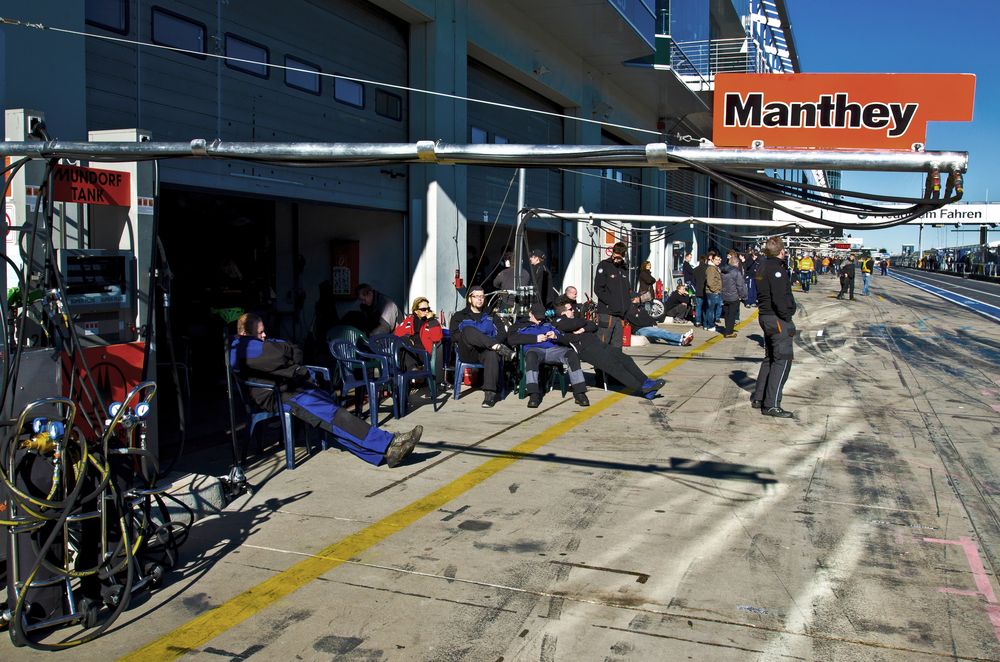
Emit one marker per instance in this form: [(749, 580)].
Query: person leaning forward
[(542, 343), (776, 306)]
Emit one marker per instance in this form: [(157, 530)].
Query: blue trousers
[(318, 408), (713, 305), (657, 333)]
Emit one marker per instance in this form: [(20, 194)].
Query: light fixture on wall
[(540, 69)]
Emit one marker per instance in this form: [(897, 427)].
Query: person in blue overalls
[(542, 344), (254, 356)]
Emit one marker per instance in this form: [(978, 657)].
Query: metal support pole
[(920, 244), (522, 218)]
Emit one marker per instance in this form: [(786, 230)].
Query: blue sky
[(914, 36)]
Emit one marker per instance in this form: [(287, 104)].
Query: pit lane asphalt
[(689, 526)]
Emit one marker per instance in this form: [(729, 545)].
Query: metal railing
[(687, 71), (710, 57)]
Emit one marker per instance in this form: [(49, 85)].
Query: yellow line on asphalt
[(202, 629)]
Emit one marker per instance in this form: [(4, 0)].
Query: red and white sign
[(91, 186), (829, 111)]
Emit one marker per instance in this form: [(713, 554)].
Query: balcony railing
[(707, 58)]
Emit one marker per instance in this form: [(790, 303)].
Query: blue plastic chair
[(460, 367), (391, 347), (350, 362), (278, 409)]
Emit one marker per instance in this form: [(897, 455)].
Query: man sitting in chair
[(540, 341), (480, 336), (581, 335), (256, 357)]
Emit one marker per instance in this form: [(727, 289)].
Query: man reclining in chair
[(258, 358), (543, 343), (581, 335)]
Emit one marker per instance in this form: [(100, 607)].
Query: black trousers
[(614, 362), (411, 362), (845, 285), (609, 329), (730, 310), (474, 346), (778, 354), (680, 311)]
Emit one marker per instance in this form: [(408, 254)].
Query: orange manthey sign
[(830, 111)]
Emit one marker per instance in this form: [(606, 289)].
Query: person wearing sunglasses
[(421, 328)]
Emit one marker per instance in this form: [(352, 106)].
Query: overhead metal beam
[(746, 222), (654, 155)]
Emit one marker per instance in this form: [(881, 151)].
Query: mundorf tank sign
[(829, 111)]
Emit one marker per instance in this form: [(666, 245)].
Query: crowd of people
[(558, 333)]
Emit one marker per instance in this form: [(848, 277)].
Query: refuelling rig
[(86, 523)]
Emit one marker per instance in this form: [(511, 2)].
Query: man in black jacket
[(541, 279), (614, 296), (678, 304), (580, 334), (276, 361), (847, 274), (776, 307), (480, 335)]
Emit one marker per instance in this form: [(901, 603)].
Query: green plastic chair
[(547, 375)]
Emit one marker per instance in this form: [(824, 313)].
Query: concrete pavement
[(686, 527)]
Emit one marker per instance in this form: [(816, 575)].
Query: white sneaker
[(687, 338)]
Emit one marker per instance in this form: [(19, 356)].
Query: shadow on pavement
[(719, 470)]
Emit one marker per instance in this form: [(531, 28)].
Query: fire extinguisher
[(626, 334), (458, 279), (659, 289)]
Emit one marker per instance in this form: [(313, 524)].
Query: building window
[(499, 140), (349, 92), (247, 56), (388, 105), (108, 14), (301, 75), (477, 136), (176, 31)]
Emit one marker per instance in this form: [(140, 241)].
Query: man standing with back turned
[(776, 306)]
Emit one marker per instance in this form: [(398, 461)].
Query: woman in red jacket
[(421, 329)]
